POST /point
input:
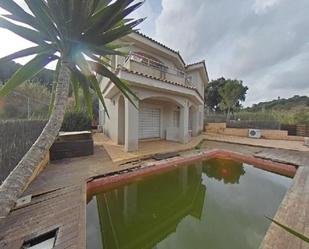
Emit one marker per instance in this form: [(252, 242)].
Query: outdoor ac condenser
[(255, 133)]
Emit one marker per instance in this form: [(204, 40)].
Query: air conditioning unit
[(254, 133)]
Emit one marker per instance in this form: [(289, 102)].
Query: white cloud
[(267, 51), (146, 10), (261, 6)]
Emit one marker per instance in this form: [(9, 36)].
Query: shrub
[(76, 121)]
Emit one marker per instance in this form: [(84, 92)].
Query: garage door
[(149, 123)]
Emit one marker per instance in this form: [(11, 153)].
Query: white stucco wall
[(156, 93), (197, 81)]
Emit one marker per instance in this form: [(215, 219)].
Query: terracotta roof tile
[(196, 63), (161, 44), (156, 78)]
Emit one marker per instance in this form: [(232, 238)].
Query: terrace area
[(152, 67), (64, 182)]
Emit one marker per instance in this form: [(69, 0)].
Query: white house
[(171, 95)]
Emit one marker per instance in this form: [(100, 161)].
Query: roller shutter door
[(149, 123)]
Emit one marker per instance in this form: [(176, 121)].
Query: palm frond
[(25, 52), (290, 230), (17, 13), (27, 33), (122, 86), (72, 29), (26, 72)]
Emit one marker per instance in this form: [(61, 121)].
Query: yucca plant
[(80, 35)]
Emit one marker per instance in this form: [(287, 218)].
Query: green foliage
[(70, 32), (231, 93), (28, 100), (76, 121), (294, 103), (8, 68), (258, 116), (213, 98), (283, 117), (302, 117)]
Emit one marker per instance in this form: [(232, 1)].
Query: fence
[(296, 130), (267, 125), (16, 137), (214, 118), (245, 124)]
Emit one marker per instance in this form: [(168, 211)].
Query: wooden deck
[(59, 200)]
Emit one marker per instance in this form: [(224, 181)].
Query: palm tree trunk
[(14, 185)]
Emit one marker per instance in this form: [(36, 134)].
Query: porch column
[(131, 126), (194, 122), (183, 126)]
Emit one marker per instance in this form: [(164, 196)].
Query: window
[(176, 118)]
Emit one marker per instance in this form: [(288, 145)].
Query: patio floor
[(150, 148), (266, 143), (146, 148)]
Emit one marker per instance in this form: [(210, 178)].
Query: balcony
[(142, 64)]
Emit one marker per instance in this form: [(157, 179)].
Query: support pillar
[(184, 121), (194, 122), (131, 126)]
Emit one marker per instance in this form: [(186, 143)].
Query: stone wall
[(17, 136)]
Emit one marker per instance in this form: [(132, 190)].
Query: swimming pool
[(216, 203)]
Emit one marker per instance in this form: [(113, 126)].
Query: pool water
[(214, 204)]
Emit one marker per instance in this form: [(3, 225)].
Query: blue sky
[(265, 43)]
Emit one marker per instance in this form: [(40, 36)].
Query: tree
[(231, 93), (213, 97), (79, 35)]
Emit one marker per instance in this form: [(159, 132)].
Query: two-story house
[(171, 95)]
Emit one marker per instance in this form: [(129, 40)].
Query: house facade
[(171, 95)]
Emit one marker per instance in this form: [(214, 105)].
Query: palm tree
[(80, 36)]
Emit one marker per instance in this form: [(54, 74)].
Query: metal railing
[(163, 69)]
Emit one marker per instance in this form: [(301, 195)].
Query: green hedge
[(76, 121), (17, 136)]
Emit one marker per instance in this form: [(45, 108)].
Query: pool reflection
[(173, 210), (140, 215), (224, 170)]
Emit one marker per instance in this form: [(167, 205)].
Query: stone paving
[(267, 143)]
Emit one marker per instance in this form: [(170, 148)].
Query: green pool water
[(215, 204)]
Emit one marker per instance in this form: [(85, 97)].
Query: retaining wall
[(220, 128)]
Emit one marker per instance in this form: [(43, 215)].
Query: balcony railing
[(156, 69)]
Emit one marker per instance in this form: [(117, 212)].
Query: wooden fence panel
[(244, 124), (290, 128)]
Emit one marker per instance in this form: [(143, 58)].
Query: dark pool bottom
[(213, 204)]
